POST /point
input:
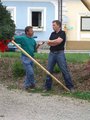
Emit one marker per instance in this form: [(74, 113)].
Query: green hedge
[(18, 70)]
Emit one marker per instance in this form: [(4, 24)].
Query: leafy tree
[(7, 26)]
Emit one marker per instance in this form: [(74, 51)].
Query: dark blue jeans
[(59, 58), (28, 66)]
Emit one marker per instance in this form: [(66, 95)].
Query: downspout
[(60, 10), (86, 3)]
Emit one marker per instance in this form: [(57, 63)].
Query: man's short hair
[(57, 22), (27, 29)]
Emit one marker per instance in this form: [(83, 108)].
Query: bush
[(7, 26), (18, 70), (56, 69)]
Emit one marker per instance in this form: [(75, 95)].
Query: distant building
[(76, 24), (74, 15)]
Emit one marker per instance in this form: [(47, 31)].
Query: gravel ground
[(20, 105)]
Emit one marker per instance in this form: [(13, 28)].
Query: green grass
[(40, 90), (71, 57), (43, 56), (10, 54), (80, 95), (77, 57)]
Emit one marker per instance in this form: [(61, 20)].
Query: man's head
[(56, 24), (29, 31)]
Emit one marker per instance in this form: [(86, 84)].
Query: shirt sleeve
[(50, 38), (18, 39), (35, 50), (63, 36)]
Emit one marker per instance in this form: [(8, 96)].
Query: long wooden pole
[(40, 66), (86, 3)]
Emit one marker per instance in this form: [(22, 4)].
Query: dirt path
[(20, 105)]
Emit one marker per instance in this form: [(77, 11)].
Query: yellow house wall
[(75, 9)]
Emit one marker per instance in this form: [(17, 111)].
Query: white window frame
[(14, 13), (81, 34), (43, 23)]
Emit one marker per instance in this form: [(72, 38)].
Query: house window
[(85, 23), (12, 11), (37, 18)]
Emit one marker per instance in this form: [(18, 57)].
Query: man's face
[(55, 26), (30, 32)]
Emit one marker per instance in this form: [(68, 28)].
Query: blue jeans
[(28, 66), (59, 58)]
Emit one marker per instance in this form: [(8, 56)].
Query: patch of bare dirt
[(80, 74)]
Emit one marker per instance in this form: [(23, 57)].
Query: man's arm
[(39, 44), (55, 42), (18, 39)]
